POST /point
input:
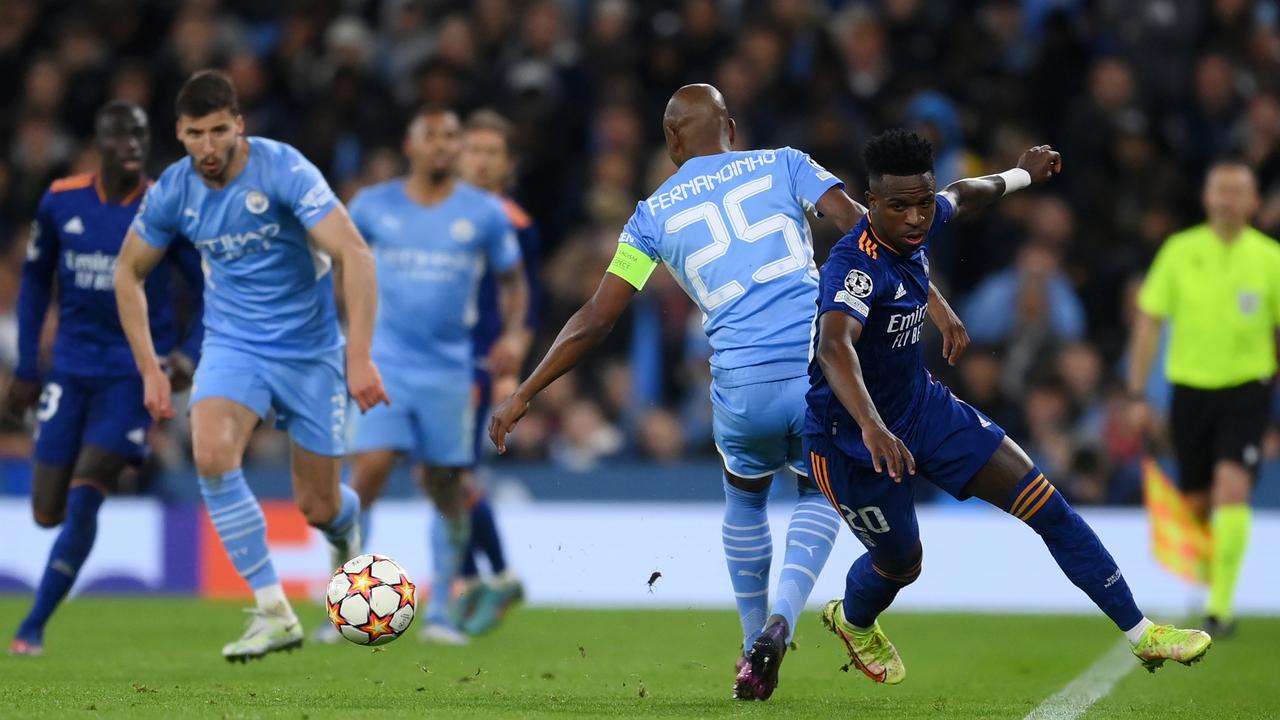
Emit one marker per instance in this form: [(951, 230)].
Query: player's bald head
[(697, 122)]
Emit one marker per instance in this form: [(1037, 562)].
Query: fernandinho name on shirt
[(707, 182)]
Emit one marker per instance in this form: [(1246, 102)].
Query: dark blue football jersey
[(72, 253), (889, 294)]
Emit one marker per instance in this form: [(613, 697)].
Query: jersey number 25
[(797, 257)]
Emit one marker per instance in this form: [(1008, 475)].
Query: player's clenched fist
[(504, 420), (364, 382), (888, 453), (1041, 163)]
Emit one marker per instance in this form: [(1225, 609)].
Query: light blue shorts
[(758, 427), (308, 395), (431, 417)]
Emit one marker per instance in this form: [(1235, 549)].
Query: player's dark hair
[(115, 107), (207, 92), (493, 121), (1231, 160), (897, 152)]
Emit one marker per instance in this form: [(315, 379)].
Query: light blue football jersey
[(268, 289), (430, 260), (732, 230)]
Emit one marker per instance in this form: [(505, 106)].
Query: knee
[(213, 458), (900, 570), (319, 511), (444, 486), (46, 519), (1232, 484)]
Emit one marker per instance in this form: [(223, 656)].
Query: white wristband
[(1015, 180)]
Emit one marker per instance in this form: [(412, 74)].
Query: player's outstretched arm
[(338, 237), (136, 260), (837, 334), (509, 351), (843, 210), (955, 337), (584, 331), (972, 195)]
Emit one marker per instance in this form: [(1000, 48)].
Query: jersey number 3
[(797, 257)]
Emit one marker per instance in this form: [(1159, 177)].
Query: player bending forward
[(875, 414), (92, 423), (267, 225), (731, 227)]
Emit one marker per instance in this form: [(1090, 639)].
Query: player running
[(433, 237), (486, 161), (731, 227), (268, 228), (874, 412), (92, 422)]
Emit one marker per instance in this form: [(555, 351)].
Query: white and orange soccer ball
[(371, 600)]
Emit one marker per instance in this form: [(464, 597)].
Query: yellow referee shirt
[(1223, 303)]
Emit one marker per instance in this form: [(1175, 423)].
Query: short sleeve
[(157, 219), (809, 180), (637, 253), (503, 247), (42, 245), (847, 284), (304, 189), (1156, 297)]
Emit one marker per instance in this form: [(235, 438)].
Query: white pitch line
[(1088, 687)]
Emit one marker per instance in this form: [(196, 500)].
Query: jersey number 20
[(797, 257)]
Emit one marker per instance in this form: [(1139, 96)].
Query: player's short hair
[(207, 92), (897, 152), (493, 121), (116, 107)]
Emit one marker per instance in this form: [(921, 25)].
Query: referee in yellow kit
[(1218, 285)]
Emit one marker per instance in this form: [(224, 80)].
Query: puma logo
[(807, 548), (759, 574)]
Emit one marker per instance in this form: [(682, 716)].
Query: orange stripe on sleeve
[(1031, 513), (1032, 498), (75, 182), (1023, 495)]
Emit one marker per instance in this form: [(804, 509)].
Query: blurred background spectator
[(1139, 95)]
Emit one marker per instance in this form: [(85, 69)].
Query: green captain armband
[(632, 265)]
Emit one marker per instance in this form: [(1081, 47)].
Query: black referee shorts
[(1213, 425)]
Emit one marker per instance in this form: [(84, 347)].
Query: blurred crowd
[(1139, 95)]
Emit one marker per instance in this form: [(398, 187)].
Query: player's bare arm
[(843, 210), (836, 355), (338, 237), (972, 195), (136, 260), (955, 338), (508, 352), (590, 325), (1142, 353)]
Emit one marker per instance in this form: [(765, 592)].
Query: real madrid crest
[(256, 202)]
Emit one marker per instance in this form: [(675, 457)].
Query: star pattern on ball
[(406, 590), (378, 626), (335, 616), (362, 583)]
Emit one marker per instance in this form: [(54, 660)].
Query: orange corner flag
[(1179, 541)]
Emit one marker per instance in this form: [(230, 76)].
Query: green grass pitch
[(159, 658)]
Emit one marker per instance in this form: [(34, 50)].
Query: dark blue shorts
[(951, 442), (77, 410)]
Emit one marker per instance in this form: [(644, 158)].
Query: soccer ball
[(370, 600)]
